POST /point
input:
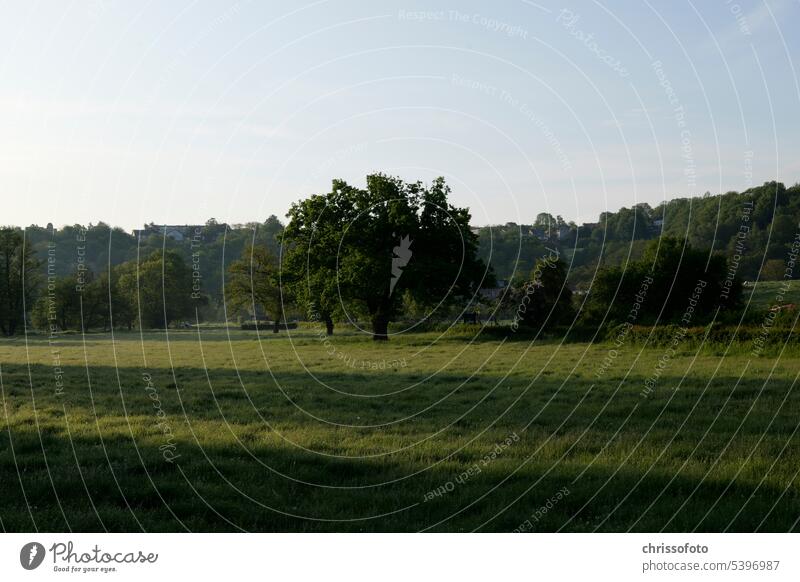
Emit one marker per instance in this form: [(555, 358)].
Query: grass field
[(218, 431), (762, 295)]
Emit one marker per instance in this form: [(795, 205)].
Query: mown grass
[(279, 434)]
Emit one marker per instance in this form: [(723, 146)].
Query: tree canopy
[(361, 250)]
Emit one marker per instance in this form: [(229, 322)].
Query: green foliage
[(762, 221), (310, 252), (100, 248), (60, 308), (671, 282), (754, 231), (161, 286), (254, 284), (19, 280), (371, 248), (544, 300)]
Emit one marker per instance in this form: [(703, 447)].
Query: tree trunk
[(380, 328), (328, 325), (276, 326)]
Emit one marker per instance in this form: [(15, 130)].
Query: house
[(563, 232), (175, 232)]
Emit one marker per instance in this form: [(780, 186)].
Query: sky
[(176, 112)]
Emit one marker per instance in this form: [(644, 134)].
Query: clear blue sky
[(130, 112)]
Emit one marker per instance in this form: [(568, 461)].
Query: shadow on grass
[(262, 482), (217, 489)]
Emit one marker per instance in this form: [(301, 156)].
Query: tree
[(546, 222), (104, 304), (123, 293), (66, 308), (254, 283), (543, 300), (161, 286), (774, 270), (663, 285), (60, 308), (19, 281), (83, 301), (309, 257), (373, 245)]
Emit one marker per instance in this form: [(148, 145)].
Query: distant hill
[(747, 227)]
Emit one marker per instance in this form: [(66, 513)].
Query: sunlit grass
[(281, 433)]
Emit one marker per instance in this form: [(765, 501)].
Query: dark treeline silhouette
[(400, 251)]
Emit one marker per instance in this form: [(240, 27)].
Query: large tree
[(19, 280), (363, 250), (308, 261)]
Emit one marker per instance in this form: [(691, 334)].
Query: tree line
[(399, 251), (756, 227)]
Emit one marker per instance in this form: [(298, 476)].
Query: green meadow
[(225, 430), (763, 294)]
